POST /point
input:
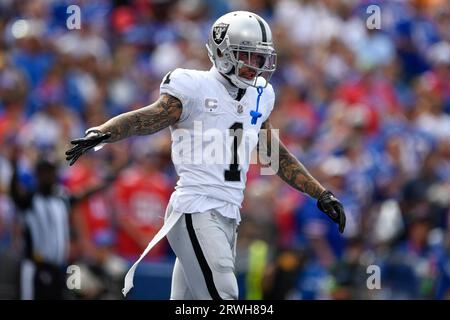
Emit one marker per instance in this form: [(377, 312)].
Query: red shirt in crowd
[(141, 198)]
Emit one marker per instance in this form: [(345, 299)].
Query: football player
[(203, 212)]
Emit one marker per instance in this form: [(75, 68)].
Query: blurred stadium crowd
[(367, 111)]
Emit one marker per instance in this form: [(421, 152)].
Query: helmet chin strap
[(231, 78), (236, 82)]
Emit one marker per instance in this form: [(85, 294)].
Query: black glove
[(83, 145), (333, 208)]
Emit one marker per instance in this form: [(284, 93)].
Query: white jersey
[(204, 140)]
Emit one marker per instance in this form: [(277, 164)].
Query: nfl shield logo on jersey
[(240, 108), (219, 32)]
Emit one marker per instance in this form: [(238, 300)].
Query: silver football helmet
[(240, 47)]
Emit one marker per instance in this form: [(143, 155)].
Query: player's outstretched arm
[(150, 119), (147, 120), (293, 172)]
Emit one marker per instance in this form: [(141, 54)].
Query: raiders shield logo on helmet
[(219, 32)]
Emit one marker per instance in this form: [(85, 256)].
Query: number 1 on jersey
[(234, 174)]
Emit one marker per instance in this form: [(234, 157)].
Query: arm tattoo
[(291, 170), (153, 118)]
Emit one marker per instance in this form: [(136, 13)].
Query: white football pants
[(205, 246)]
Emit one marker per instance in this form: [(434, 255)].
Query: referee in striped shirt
[(45, 214)]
